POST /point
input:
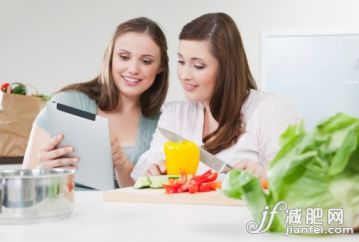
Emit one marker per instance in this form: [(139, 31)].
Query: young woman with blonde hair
[(129, 91)]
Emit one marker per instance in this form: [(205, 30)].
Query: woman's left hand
[(118, 157), (254, 167)]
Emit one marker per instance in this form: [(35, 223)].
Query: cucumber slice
[(142, 182), (153, 181), (157, 181)]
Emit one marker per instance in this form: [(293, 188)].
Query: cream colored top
[(266, 116)]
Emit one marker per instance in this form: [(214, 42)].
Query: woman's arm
[(38, 137), (153, 158), (122, 166), (271, 119), (123, 172), (153, 155), (41, 149)]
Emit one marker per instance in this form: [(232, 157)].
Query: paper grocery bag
[(17, 113)]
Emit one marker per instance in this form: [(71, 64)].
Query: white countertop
[(96, 220)]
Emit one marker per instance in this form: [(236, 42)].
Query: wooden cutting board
[(130, 194)]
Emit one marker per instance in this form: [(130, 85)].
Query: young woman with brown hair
[(129, 91), (225, 113)]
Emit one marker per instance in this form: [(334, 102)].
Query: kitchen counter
[(96, 220)]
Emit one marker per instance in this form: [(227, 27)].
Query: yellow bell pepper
[(181, 156)]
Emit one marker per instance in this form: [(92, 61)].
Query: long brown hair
[(234, 78), (103, 89)]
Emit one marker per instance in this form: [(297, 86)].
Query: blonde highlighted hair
[(103, 89)]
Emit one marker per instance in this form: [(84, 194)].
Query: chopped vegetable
[(153, 181), (142, 182), (181, 156), (202, 183)]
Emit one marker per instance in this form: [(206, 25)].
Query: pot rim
[(35, 173)]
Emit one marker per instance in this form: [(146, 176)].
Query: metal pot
[(28, 196)]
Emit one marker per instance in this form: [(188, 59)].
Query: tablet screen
[(90, 136)]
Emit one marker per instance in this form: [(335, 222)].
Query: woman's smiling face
[(136, 61), (197, 69)]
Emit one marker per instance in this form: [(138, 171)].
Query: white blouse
[(265, 116)]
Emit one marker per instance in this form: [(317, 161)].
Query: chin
[(190, 97), (131, 93)]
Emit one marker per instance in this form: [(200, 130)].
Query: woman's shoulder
[(70, 97), (149, 121), (258, 98), (76, 99), (265, 104)]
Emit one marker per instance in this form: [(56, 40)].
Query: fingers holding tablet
[(50, 156)]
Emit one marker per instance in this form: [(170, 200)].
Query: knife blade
[(207, 158)]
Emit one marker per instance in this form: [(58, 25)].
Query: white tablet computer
[(90, 136)]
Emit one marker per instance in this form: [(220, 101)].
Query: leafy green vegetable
[(319, 169), (19, 89)]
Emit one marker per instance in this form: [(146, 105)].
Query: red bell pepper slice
[(206, 177), (183, 188), (200, 177), (172, 188), (175, 186), (193, 188), (201, 183), (210, 186)]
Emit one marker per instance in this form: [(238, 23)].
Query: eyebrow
[(146, 55), (124, 50), (193, 58)]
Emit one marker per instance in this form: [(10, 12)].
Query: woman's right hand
[(254, 167), (50, 157), (156, 169)]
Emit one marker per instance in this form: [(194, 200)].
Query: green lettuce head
[(314, 173)]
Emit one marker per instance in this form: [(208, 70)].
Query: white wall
[(50, 43)]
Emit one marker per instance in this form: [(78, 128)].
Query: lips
[(131, 81), (189, 87)]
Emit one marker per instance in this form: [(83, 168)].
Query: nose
[(133, 67), (184, 72)]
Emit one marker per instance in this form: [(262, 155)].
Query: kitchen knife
[(207, 158)]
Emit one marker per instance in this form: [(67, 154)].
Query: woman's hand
[(118, 157), (253, 167), (156, 169), (49, 156), (123, 166)]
